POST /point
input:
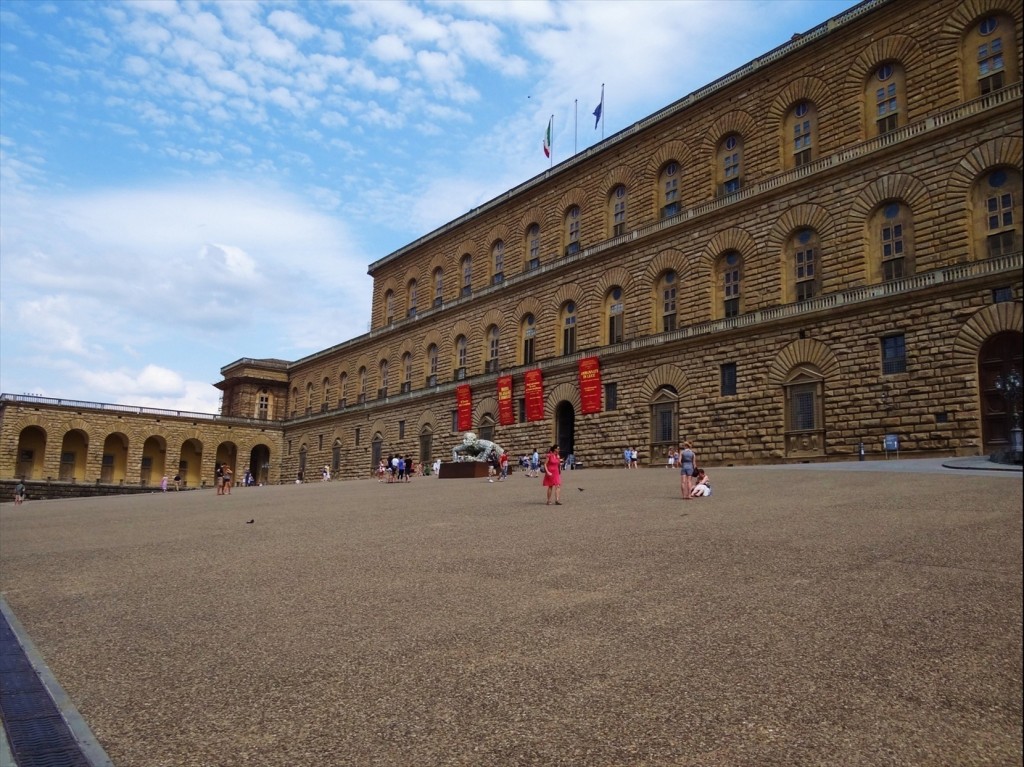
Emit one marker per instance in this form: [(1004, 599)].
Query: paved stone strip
[(41, 725)]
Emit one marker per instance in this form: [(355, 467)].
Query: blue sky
[(183, 183)]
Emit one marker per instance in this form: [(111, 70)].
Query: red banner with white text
[(590, 385), (464, 407), (533, 384), (506, 415)]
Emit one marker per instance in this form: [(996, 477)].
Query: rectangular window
[(802, 409), (455, 420), (728, 378), (615, 329), (522, 410), (528, 351), (401, 429), (569, 339), (664, 424), (611, 396), (894, 354), (1002, 295), (357, 435)]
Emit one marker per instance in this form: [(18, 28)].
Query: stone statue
[(473, 449)]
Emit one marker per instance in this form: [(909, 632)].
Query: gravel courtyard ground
[(795, 618)]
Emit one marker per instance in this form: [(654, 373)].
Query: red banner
[(506, 416), (464, 407), (533, 383), (590, 385)]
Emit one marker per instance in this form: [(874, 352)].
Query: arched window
[(891, 236), (389, 306), (263, 405), (617, 210), (614, 313), (800, 132), (383, 390), (988, 55), (411, 297), (885, 99), (669, 202), (342, 389), (438, 286), (527, 334), (997, 212), (309, 398), (406, 372), (460, 358), (567, 317), (466, 269), (533, 246), (497, 262), (295, 400), (432, 365), (804, 254), (362, 385), (730, 276), (804, 393), (485, 430), (492, 348), (729, 165), (664, 422), (666, 301), (572, 230), (325, 395)]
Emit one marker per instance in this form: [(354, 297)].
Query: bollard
[(860, 451)]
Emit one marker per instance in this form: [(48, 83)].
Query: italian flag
[(547, 137)]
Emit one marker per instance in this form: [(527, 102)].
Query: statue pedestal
[(463, 470)]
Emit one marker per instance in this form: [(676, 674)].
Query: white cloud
[(292, 25), (390, 48)]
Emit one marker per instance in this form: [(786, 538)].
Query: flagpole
[(575, 124), (551, 127), (603, 110)]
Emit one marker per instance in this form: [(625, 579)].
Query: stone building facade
[(818, 254)]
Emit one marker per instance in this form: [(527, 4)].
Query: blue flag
[(597, 113)]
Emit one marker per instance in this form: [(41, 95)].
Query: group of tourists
[(395, 468)]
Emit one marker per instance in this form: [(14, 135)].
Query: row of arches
[(77, 458)]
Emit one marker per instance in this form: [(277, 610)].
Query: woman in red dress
[(553, 475)]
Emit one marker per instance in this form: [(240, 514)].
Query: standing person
[(19, 493), (627, 456), (229, 475), (633, 459), (534, 463), (687, 468), (177, 481), (163, 483), (672, 458), (218, 474), (503, 463), (553, 475)]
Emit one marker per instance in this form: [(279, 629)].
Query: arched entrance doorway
[(259, 464), (565, 428), (31, 451), (998, 356)]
